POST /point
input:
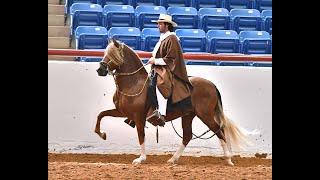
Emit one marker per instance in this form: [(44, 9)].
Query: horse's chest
[(128, 105), (125, 104)]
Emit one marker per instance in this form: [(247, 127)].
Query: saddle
[(183, 105)]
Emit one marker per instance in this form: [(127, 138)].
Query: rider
[(169, 67)]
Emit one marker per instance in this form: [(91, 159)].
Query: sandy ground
[(118, 166)]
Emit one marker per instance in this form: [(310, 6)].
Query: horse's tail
[(233, 135)]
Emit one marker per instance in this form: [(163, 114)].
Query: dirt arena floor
[(107, 166)]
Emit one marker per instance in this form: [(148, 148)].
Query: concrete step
[(56, 9), (58, 31), (62, 58), (58, 42), (55, 20), (53, 2)]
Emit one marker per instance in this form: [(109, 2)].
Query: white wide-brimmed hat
[(165, 18)]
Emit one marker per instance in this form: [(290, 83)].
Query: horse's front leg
[(141, 135), (111, 112), (187, 136)]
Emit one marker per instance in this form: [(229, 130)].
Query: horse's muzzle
[(102, 70)]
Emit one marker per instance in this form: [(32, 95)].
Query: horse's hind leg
[(111, 112), (226, 152), (187, 136), (208, 119)]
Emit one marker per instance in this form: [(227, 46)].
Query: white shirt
[(163, 36)]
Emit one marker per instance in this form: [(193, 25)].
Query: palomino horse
[(130, 100)]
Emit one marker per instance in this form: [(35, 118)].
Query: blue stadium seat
[(206, 3), (145, 14), (263, 5), (192, 40), (255, 42), (239, 4), (85, 14), (245, 20), (234, 63), (118, 16), (131, 36), (185, 17), (258, 64), (223, 41), (114, 2), (203, 63), (175, 3), (136, 3), (68, 4), (213, 19), (91, 37), (266, 16), (90, 59), (271, 44), (149, 38)]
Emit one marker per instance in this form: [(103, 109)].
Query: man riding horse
[(132, 97), (168, 67)]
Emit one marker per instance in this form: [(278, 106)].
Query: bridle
[(118, 62)]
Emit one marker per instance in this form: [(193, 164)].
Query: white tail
[(234, 136)]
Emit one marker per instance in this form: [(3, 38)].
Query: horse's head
[(113, 58)]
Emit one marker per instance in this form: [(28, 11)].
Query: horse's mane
[(132, 53), (122, 54), (113, 53)]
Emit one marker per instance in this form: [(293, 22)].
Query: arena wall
[(76, 94)]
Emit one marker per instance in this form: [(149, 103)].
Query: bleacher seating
[(90, 59), (266, 16), (85, 14), (118, 16), (145, 15), (149, 38), (255, 42), (245, 19), (222, 41), (185, 17), (263, 5), (271, 43), (206, 4), (239, 4), (114, 2), (131, 36), (217, 23), (175, 3), (192, 40), (233, 63), (91, 37), (68, 4), (136, 3), (213, 19)]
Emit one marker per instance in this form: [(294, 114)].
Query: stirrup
[(130, 123), (156, 118)]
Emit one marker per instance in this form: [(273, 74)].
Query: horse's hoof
[(139, 160), (103, 136), (171, 161), (136, 161), (229, 162)]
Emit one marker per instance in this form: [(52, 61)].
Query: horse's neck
[(131, 64)]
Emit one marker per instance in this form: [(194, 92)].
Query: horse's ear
[(115, 42)]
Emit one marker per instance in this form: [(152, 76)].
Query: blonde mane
[(115, 54)]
